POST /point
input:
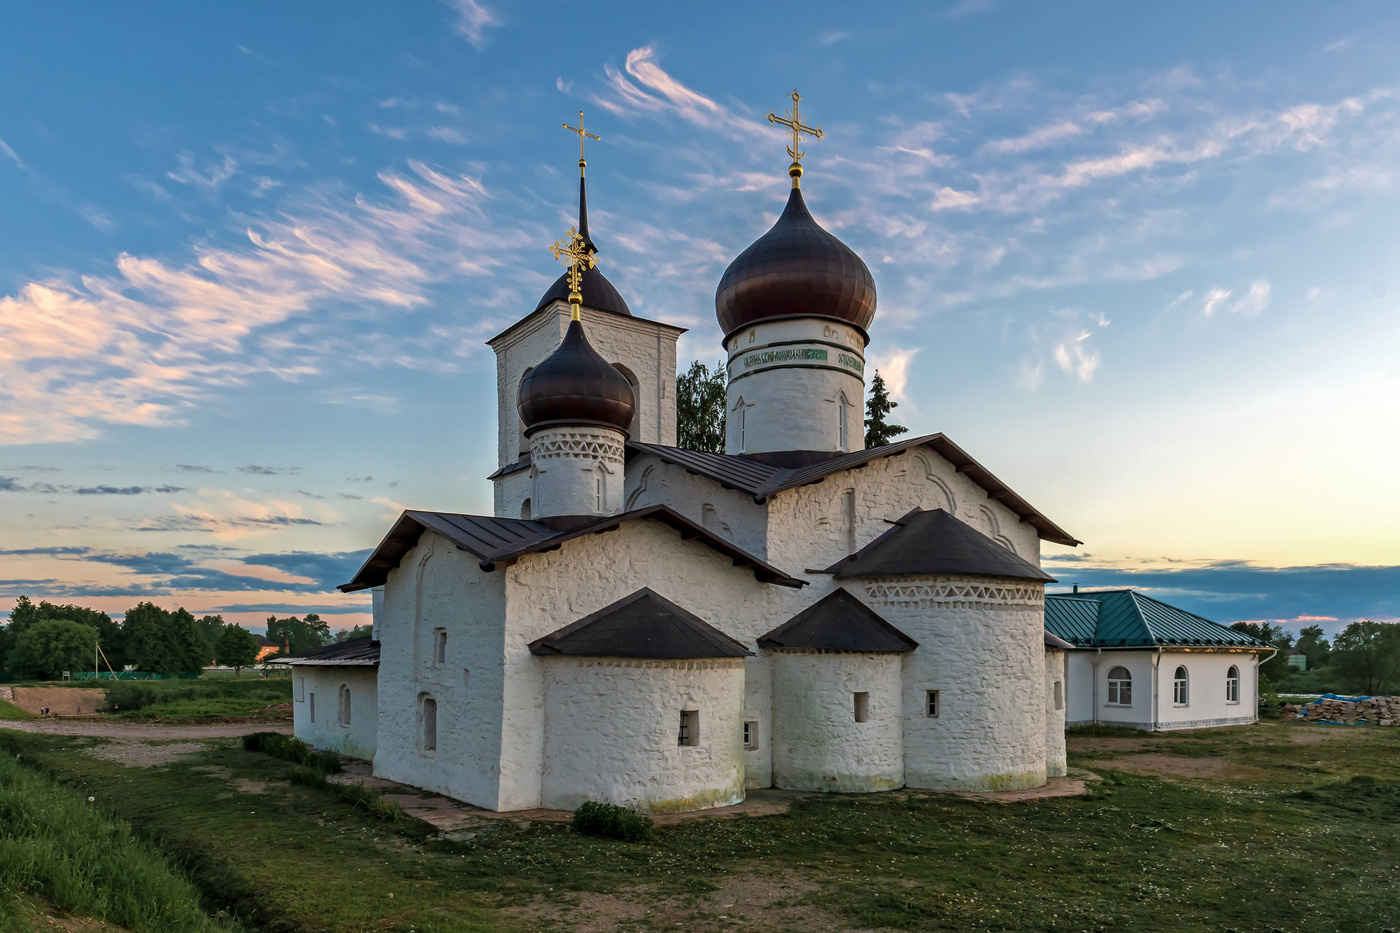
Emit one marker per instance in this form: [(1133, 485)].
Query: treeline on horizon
[(42, 640), (1363, 658)]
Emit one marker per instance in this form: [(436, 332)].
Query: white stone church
[(665, 628)]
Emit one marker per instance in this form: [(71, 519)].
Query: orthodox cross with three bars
[(582, 133), (793, 121), (572, 250)]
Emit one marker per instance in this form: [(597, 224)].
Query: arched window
[(345, 705), (599, 490), (427, 724), (842, 435), (1120, 687), (1232, 685), (525, 509), (1179, 692)]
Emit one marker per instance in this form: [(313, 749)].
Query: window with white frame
[(1120, 686), (689, 733), (1232, 685), (751, 735), (931, 703), (345, 706), (1179, 687)]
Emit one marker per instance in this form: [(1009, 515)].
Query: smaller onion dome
[(796, 269), (575, 386)]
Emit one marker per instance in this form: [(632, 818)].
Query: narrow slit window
[(841, 419), (689, 733), (862, 707), (439, 647), (427, 715), (743, 424), (931, 703), (598, 492), (1059, 694), (751, 735), (311, 702), (345, 706)]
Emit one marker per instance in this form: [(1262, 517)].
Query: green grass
[(197, 699), (11, 711), (57, 846), (611, 821), (1295, 844)]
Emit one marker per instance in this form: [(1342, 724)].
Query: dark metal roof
[(598, 293), (762, 480), (356, 652), (838, 622), (575, 385), (796, 269), (1128, 619), (501, 541), (643, 625), (934, 542)]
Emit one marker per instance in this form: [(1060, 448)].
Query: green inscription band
[(783, 356)]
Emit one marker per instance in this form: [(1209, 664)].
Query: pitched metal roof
[(934, 542), (763, 480), (501, 541), (1128, 619), (643, 625), (356, 652), (838, 622), (1055, 641)]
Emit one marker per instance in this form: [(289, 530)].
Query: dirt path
[(134, 731)]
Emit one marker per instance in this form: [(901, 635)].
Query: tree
[(1366, 656), (26, 613), (303, 634), (700, 403), (1313, 644), (46, 649), (1276, 668), (213, 629), (358, 631), (878, 431), (237, 648)]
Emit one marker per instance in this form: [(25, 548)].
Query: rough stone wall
[(1056, 764), (611, 728), (567, 465), (359, 738), (1206, 703), (437, 586), (549, 590), (731, 514), (817, 743), (646, 349), (790, 399), (811, 526), (981, 645), (510, 492)]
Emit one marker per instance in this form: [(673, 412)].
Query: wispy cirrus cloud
[(472, 21)]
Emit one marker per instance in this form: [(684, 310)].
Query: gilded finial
[(582, 135), (573, 251), (793, 121)]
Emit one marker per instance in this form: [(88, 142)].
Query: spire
[(582, 191)]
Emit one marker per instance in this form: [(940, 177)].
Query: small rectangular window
[(439, 647), (312, 699), (1059, 695), (862, 707), (300, 684), (751, 735), (689, 733), (466, 677), (931, 704)]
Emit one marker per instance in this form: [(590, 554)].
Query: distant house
[(265, 647), (1297, 659), (1135, 661)]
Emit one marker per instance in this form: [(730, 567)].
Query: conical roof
[(931, 543), (796, 269), (575, 385)]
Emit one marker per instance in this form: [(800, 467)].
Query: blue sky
[(1138, 259)]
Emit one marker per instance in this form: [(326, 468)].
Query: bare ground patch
[(145, 754), (748, 901), (1178, 766)]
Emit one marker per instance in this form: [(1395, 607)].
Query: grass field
[(198, 699), (11, 711), (1283, 826)]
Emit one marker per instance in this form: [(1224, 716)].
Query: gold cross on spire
[(793, 121), (572, 250), (582, 134)]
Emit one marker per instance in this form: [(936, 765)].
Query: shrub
[(307, 777), (614, 822), (294, 750), (371, 799)]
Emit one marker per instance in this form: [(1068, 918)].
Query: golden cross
[(793, 121), (572, 250), (582, 133)]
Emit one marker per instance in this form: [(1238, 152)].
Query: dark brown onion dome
[(598, 293), (575, 386), (796, 269)]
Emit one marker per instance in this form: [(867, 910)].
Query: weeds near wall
[(293, 750), (612, 822), (313, 766)]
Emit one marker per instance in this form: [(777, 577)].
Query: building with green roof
[(1137, 661)]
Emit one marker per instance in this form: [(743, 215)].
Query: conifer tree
[(879, 431)]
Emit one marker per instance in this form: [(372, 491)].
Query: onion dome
[(598, 292), (575, 386), (796, 269)]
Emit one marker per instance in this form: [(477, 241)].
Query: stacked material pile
[(1377, 711)]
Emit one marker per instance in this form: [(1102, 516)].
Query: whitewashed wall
[(359, 738), (1137, 714), (439, 586), (1079, 687), (568, 463), (1206, 705), (817, 744), (732, 515), (611, 727), (981, 645), (1055, 754)]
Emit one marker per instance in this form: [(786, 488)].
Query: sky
[(1138, 259)]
